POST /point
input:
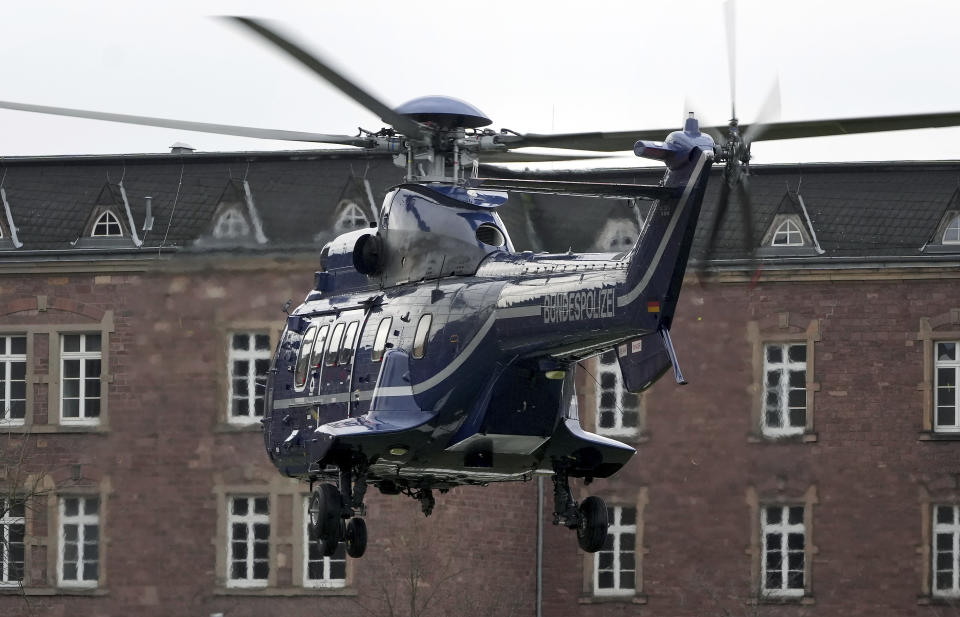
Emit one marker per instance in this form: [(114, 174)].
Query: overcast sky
[(531, 66)]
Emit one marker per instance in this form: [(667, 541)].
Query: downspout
[(539, 546)]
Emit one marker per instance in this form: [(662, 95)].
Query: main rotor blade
[(185, 125), (624, 140), (534, 157), (850, 126), (402, 124)]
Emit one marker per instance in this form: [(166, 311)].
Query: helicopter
[(430, 354)]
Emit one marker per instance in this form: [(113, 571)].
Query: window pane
[(261, 505), (798, 353), (774, 515), (945, 514), (241, 342), (18, 345), (71, 506), (91, 505), (262, 342), (92, 342), (795, 515), (336, 339), (605, 580), (71, 342), (71, 369), (239, 506), (946, 351), (338, 569)]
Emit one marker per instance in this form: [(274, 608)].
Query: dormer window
[(231, 224), (351, 217), (787, 234), (951, 234), (107, 226)]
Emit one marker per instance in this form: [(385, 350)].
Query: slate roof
[(858, 210)]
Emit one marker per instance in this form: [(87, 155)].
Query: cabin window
[(346, 352), (380, 342), (316, 359), (787, 234), (80, 366), (420, 338), (306, 347), (335, 340), (107, 226)]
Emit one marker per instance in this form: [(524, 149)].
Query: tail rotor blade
[(730, 13), (769, 113)]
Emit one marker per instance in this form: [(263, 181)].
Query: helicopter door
[(337, 366)]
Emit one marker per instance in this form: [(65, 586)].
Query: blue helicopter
[(430, 354)]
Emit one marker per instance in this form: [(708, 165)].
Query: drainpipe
[(539, 546)]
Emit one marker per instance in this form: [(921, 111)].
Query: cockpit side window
[(346, 352), (380, 342), (420, 338), (316, 358), (306, 347), (335, 339)]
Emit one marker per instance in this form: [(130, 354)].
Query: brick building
[(809, 467)]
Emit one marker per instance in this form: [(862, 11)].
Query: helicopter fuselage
[(445, 378)]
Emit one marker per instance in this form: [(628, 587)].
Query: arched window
[(231, 224), (787, 234), (951, 235), (351, 217), (107, 226)]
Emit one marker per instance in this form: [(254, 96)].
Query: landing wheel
[(356, 537), (592, 530), (324, 514)]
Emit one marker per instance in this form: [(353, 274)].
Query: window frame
[(939, 364), (249, 519), (226, 223), (784, 528), (336, 344), (348, 344), (954, 530), (8, 520), (783, 328), (7, 360), (944, 327), (952, 224), (114, 222), (792, 229), (616, 530), (82, 520), (326, 582), (251, 355), (83, 356), (348, 217), (786, 367), (619, 394)]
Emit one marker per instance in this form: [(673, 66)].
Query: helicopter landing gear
[(589, 519), (331, 513)]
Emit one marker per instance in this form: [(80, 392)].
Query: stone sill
[(782, 600), (53, 591), (285, 591), (623, 599), (927, 600), (934, 436), (801, 438), (44, 429)]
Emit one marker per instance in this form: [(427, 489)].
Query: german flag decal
[(653, 307)]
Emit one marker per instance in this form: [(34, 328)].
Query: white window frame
[(787, 234), (953, 365), (783, 529), (615, 533), (255, 391), (83, 355), (107, 221), (81, 520), (7, 520), (953, 529), (952, 228), (352, 217), (7, 360), (620, 396), (231, 224), (785, 367), (327, 582), (249, 519)]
